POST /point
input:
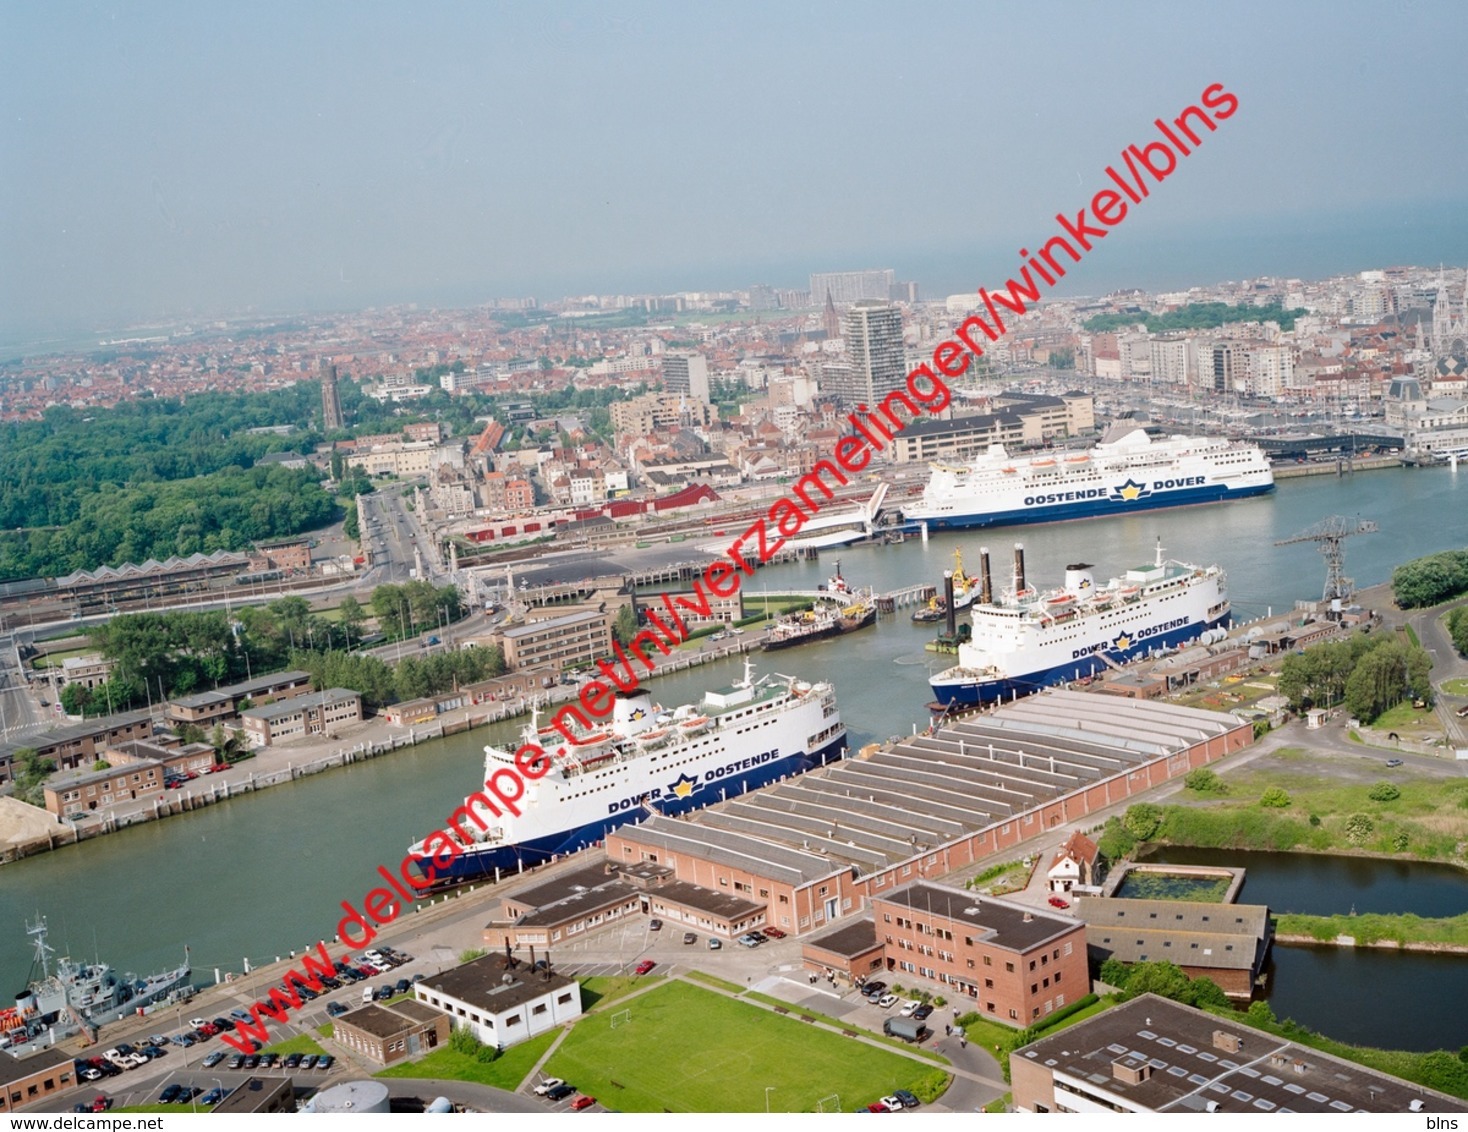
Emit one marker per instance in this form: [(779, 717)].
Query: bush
[(1276, 798), (1315, 819), (1204, 781), (1358, 828), (1384, 792), (930, 1086), (1400, 842), (1115, 842), (1143, 820)]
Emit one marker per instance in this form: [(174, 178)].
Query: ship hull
[(481, 861), (959, 692), (820, 634), (1084, 509)]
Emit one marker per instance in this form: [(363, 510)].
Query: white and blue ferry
[(1029, 638), (649, 759), (1130, 473)]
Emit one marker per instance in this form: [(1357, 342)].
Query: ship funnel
[(632, 713), (1078, 578), (986, 588), (951, 614), (1019, 568)]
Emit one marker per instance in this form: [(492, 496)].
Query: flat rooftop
[(1016, 927), (492, 984), (852, 938), (1188, 1069)]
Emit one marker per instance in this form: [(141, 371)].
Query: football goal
[(621, 1018), (829, 1104)]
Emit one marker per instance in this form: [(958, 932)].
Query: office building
[(687, 372), (1154, 1055)]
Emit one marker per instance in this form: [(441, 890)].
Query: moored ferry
[(1132, 472), (649, 760), (1029, 638)]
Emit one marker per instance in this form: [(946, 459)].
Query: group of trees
[(1198, 316), (403, 610), (1431, 579), (1368, 673), (1163, 978), (159, 655), (1458, 628), (411, 678)]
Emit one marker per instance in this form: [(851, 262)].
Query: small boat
[(695, 725)]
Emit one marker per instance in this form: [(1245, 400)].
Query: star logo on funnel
[(1130, 491)]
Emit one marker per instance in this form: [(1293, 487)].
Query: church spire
[(830, 318)]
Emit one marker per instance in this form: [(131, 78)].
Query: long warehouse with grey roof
[(818, 847)]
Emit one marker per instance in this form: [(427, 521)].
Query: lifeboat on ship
[(695, 725)]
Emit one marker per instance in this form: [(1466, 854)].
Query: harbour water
[(267, 872)]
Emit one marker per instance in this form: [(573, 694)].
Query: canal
[(267, 872), (1366, 996)]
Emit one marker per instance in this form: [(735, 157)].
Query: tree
[(1142, 820), (352, 617), (1275, 798), (76, 699), (1115, 973), (1203, 992), (1160, 977), (624, 628), (1115, 842), (1431, 579), (30, 772)]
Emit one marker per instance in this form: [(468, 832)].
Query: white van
[(368, 994)]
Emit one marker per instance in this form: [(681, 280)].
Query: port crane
[(1328, 534)]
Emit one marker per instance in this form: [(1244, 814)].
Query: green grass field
[(504, 1072), (690, 1050), (301, 1043)]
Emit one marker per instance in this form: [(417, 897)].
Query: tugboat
[(965, 589)]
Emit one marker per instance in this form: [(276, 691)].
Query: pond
[(1367, 997)]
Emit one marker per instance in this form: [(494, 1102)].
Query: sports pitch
[(685, 1049)]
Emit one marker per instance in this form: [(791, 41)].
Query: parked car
[(909, 1006), (170, 1093), (893, 1102), (759, 936), (236, 1062), (1398, 762), (773, 933), (908, 1100), (335, 1009), (654, 925), (1059, 902), (240, 1015), (403, 986), (715, 944), (922, 1012), (645, 966), (750, 941), (269, 1060), (213, 1097), (308, 1060), (101, 1104), (324, 1061), (690, 937), (547, 1085), (886, 1002), (873, 989), (385, 992), (291, 1061), (213, 1059), (582, 1102), (224, 1023), (559, 1093)]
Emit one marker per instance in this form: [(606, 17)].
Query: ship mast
[(43, 952)]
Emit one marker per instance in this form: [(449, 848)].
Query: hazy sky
[(168, 159)]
